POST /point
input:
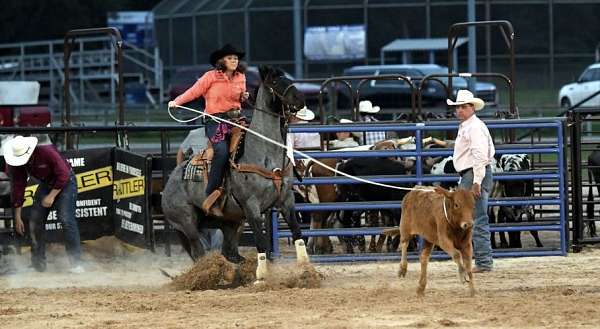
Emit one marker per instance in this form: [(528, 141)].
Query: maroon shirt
[(45, 164)]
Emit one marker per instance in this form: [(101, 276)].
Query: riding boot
[(210, 205)]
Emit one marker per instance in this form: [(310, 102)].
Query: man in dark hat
[(224, 89)]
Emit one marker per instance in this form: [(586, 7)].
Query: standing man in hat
[(57, 188), (367, 111), (473, 154), (224, 89), (303, 140)]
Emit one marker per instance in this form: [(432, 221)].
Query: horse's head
[(286, 99)]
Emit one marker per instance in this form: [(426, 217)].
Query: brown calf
[(443, 218)]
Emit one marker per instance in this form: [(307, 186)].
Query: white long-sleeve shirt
[(473, 148)]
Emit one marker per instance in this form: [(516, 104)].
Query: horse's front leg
[(289, 213), (258, 223)]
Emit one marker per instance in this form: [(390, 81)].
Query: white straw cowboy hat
[(367, 107), (466, 97), (18, 150), (305, 114)]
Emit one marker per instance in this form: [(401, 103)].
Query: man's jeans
[(482, 249), (65, 206), (211, 239)]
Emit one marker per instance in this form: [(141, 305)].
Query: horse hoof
[(301, 254), (259, 282), (236, 259)]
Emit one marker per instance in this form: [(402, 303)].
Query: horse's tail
[(391, 231)]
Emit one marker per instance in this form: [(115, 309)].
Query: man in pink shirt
[(224, 89), (473, 154), (57, 189)]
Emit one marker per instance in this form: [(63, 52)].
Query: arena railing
[(555, 146)]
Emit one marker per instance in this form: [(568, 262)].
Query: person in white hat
[(367, 112), (473, 154), (57, 188), (344, 138), (303, 140)]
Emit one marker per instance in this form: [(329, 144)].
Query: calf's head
[(459, 208)]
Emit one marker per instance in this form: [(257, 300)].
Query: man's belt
[(463, 172)]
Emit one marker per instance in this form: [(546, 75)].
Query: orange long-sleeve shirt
[(220, 93)]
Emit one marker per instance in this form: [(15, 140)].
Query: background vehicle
[(396, 93), (587, 84)]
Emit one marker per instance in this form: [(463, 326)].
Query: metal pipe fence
[(554, 147)]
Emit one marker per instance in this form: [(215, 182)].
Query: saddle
[(203, 160), (235, 152), (197, 168)]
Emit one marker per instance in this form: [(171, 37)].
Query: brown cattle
[(443, 218)]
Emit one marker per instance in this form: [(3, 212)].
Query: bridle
[(286, 108)]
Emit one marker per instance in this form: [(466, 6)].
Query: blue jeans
[(64, 204), (219, 162), (482, 248), (211, 239)]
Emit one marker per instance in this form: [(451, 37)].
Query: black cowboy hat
[(227, 49)]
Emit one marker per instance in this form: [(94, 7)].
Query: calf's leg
[(404, 240), (467, 256), (446, 244), (425, 253)]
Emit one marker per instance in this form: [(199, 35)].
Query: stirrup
[(209, 207)]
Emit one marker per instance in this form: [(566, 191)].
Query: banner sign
[(94, 206), (136, 27), (335, 42), (132, 176)]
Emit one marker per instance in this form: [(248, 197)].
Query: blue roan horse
[(249, 195)]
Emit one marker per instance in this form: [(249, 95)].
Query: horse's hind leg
[(189, 228), (185, 243)]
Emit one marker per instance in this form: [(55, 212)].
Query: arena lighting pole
[(298, 39), (472, 45)]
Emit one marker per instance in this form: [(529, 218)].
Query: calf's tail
[(391, 231)]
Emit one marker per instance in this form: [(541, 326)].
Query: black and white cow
[(367, 192), (445, 166), (513, 189)]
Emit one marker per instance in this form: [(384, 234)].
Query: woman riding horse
[(224, 89), (259, 180)]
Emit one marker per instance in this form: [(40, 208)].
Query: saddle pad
[(193, 172)]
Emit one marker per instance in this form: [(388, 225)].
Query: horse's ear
[(264, 72)]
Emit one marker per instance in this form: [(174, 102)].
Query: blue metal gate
[(553, 145)]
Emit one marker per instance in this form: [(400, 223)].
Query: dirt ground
[(123, 288)]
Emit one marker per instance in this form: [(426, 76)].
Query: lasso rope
[(203, 114)]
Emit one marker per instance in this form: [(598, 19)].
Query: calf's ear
[(442, 191)]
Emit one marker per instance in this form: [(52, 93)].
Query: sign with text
[(131, 197), (94, 206)]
